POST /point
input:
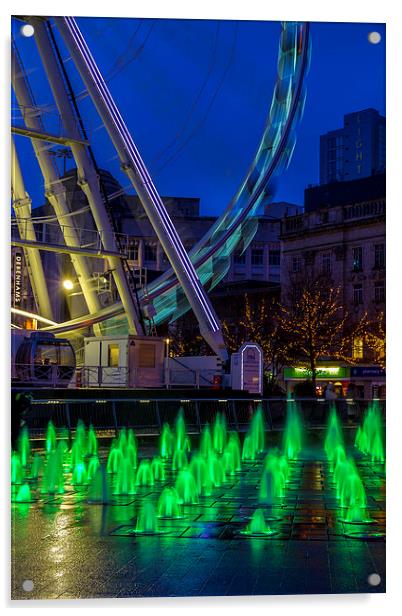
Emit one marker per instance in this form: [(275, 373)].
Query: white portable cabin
[(123, 361), (246, 368)]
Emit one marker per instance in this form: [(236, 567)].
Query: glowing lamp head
[(68, 285), (27, 30)]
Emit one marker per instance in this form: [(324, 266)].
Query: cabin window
[(113, 356)]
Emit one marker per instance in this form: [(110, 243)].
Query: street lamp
[(167, 340), (68, 284)]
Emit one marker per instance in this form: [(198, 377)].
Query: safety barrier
[(147, 416)]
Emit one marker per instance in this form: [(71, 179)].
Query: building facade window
[(296, 264), (132, 252), (358, 348), (239, 258), (150, 252), (379, 292), (357, 259), (274, 257), (113, 354), (326, 263), (379, 256), (257, 257), (358, 293)]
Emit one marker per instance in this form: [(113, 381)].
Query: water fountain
[(50, 438), (257, 430), (234, 447), (114, 459), (36, 466), (166, 443), (219, 433), (369, 437), (125, 479), (215, 470), (182, 439), (168, 504), (333, 437), (158, 469), (80, 475), (257, 525), (93, 465), (206, 441), (53, 475), (147, 522), (198, 468), (24, 446), (179, 460), (186, 488), (17, 470), (292, 436), (24, 494), (92, 442), (98, 490), (248, 452), (145, 476)]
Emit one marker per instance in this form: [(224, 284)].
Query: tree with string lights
[(258, 323), (316, 325)]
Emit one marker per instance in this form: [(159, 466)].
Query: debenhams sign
[(17, 279)]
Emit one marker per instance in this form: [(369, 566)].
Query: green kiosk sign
[(323, 372)]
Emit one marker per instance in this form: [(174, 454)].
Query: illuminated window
[(358, 347), (113, 355), (132, 252)]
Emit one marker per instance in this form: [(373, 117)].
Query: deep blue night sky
[(195, 95)]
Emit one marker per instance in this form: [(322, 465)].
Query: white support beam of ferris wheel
[(135, 169), (22, 209), (87, 177), (54, 189)]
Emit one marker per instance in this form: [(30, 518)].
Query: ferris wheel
[(191, 275)]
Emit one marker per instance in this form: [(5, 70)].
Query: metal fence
[(147, 416)]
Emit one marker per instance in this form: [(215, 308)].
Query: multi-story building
[(345, 243), (357, 150)]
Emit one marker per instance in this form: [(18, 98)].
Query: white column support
[(135, 169), (22, 209), (54, 189), (88, 178)]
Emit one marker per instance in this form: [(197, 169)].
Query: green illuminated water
[(186, 488), (24, 494), (249, 451), (168, 504), (114, 459), (179, 459), (17, 471), (273, 479), (216, 470), (80, 474), (219, 433), (292, 436), (206, 441), (93, 465), (181, 437), (145, 476), (369, 437), (257, 430), (147, 522), (198, 468), (158, 469), (333, 435), (24, 446), (234, 447), (50, 438), (92, 442), (125, 479), (257, 525), (53, 475), (36, 466), (98, 490), (166, 443)]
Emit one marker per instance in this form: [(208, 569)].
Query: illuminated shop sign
[(17, 291), (323, 372)]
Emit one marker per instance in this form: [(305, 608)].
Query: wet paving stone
[(72, 549)]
